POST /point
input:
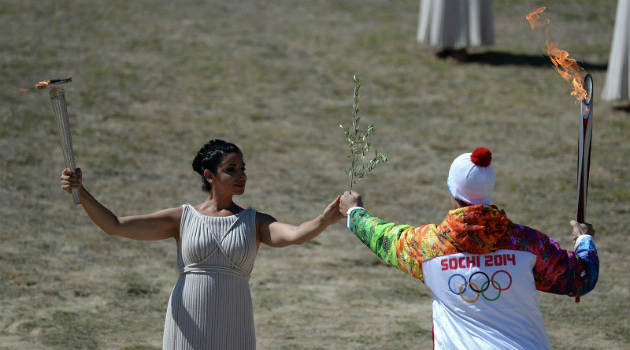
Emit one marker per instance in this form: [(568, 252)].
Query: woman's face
[(230, 177)]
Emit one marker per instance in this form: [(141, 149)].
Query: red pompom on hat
[(481, 157)]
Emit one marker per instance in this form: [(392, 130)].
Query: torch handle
[(58, 100)]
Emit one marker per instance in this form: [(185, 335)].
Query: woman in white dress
[(617, 85), (455, 25), (210, 306)]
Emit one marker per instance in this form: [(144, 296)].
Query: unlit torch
[(58, 99)]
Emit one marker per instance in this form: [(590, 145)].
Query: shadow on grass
[(622, 108), (495, 58)]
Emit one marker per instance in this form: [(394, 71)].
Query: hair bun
[(481, 157), (207, 149), (196, 164)]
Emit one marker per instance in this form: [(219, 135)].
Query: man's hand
[(581, 229), (348, 200)]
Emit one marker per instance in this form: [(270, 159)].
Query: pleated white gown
[(617, 85), (210, 307), (456, 24)]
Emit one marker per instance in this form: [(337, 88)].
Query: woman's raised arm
[(278, 234), (160, 225)]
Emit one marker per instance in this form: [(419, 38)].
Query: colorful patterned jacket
[(483, 271)]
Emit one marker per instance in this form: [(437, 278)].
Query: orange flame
[(567, 67), (534, 18), (42, 84)]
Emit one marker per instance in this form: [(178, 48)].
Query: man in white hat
[(482, 269)]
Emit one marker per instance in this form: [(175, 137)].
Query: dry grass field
[(154, 80)]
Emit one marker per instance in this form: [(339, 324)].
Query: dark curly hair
[(210, 156)]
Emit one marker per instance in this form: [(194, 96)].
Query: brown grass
[(154, 80)]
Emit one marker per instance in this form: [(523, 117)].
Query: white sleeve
[(581, 237), (350, 211)]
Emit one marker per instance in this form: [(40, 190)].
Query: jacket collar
[(476, 229)]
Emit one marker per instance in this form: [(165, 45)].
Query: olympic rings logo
[(480, 278)]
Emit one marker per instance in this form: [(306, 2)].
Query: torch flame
[(567, 67), (534, 18), (42, 84)]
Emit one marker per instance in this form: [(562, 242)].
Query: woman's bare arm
[(278, 234), (160, 225)]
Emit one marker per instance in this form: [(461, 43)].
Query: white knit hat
[(471, 177)]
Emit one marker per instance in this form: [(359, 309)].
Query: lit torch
[(584, 151), (583, 91), (58, 99)]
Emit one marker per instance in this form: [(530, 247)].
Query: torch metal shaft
[(584, 148), (584, 151), (58, 99)]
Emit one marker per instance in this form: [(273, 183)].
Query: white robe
[(617, 85), (456, 24)]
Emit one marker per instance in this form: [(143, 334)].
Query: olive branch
[(358, 143)]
